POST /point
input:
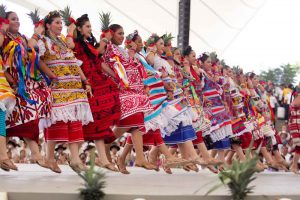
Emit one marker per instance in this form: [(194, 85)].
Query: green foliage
[(66, 14), (105, 19), (238, 176), (93, 183), (167, 38), (2, 11), (34, 16), (284, 74)]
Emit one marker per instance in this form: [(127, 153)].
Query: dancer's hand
[(88, 89)]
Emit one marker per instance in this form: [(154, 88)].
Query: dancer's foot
[(167, 170), (121, 166), (78, 166), (200, 161), (212, 169), (175, 162), (53, 166), (294, 169), (7, 165), (214, 161), (39, 161), (109, 166), (146, 165), (191, 167)]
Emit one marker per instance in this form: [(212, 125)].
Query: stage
[(35, 183)]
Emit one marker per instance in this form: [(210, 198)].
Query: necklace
[(61, 44)]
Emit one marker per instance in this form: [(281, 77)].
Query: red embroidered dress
[(24, 119), (134, 101), (105, 103)]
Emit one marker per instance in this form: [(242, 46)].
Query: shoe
[(8, 165)]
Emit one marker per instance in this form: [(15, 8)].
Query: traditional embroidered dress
[(200, 122), (181, 130), (238, 118), (265, 123), (105, 103), (70, 107), (134, 102), (7, 100), (220, 121), (294, 126), (32, 103)]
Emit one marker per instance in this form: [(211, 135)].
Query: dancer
[(32, 93), (104, 103), (294, 128), (70, 108), (134, 101)]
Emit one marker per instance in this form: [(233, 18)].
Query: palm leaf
[(239, 176), (2, 11), (34, 16), (66, 15), (167, 38), (105, 19)]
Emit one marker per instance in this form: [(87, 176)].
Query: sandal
[(295, 170), (175, 162), (146, 165), (212, 169), (122, 168), (41, 162), (78, 167), (185, 168), (167, 170), (7, 165), (221, 167), (109, 166), (53, 166), (192, 167), (213, 161)]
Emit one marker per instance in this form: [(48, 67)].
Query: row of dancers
[(77, 88)]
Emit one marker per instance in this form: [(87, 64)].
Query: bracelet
[(104, 40), (86, 82), (36, 37)]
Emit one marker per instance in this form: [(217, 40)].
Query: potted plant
[(238, 176), (93, 183)]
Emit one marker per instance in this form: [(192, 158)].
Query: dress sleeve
[(42, 47)]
